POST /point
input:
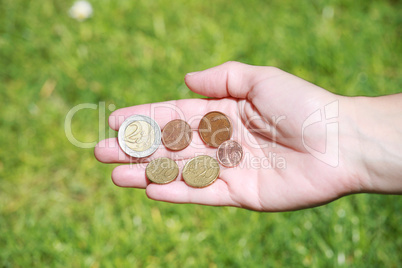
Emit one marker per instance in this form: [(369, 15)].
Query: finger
[(109, 151), (217, 194), (231, 79), (190, 110), (135, 176), (130, 176)]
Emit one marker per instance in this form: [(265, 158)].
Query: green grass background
[(58, 206)]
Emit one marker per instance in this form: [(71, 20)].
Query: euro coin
[(139, 136), (229, 153), (177, 135), (201, 171), (162, 170), (215, 128)]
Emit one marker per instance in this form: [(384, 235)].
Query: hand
[(267, 108)]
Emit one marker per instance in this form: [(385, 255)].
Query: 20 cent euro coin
[(139, 136), (201, 171)]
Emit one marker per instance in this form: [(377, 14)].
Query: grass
[(58, 206)]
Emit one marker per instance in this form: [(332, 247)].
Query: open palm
[(267, 108)]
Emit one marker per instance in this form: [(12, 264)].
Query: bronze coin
[(215, 128), (177, 135), (162, 170), (229, 153), (201, 171)]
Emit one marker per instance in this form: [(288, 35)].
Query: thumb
[(231, 79)]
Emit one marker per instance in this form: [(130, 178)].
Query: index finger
[(190, 110)]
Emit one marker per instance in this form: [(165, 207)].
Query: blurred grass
[(58, 206)]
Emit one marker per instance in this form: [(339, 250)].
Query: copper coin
[(215, 128), (177, 135), (229, 153)]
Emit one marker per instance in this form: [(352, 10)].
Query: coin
[(215, 128), (139, 136), (177, 135), (201, 171), (229, 153), (162, 170)]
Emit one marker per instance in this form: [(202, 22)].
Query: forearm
[(378, 128)]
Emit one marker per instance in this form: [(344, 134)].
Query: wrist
[(377, 143)]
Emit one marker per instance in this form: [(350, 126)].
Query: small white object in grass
[(81, 10), (328, 12)]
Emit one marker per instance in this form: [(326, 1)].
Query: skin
[(268, 107)]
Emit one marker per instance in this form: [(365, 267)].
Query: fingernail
[(192, 73)]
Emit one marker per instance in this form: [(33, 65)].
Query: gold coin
[(162, 170), (201, 171), (215, 128)]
